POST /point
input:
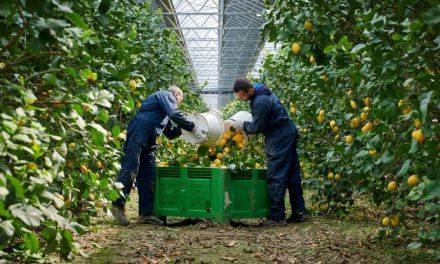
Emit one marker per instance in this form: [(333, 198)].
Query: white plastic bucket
[(211, 122), (242, 116)]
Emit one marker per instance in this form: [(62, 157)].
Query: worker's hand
[(237, 124), (199, 134)]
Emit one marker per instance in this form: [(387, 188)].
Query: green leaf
[(104, 6), (30, 215), (57, 23), (6, 231), (9, 126), (425, 99), (23, 138), (329, 49), (50, 79), (62, 8), (358, 48), (97, 137), (16, 186), (432, 16), (103, 116), (116, 130), (404, 168), (31, 241), (414, 245), (396, 37), (77, 20), (76, 228)]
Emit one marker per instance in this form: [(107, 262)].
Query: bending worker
[(152, 118), (270, 118)]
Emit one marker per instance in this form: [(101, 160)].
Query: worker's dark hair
[(242, 84)]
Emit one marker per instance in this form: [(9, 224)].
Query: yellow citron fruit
[(349, 139), (324, 78), (412, 181), (308, 25), (132, 85), (406, 110), (227, 136), (83, 168), (138, 105), (226, 150), (71, 145), (335, 129), (301, 165), (320, 119), (330, 176), (376, 122), (332, 123), (367, 101), (372, 152), (92, 76), (257, 165), (238, 138), (349, 93), (418, 123), (392, 186), (312, 60), (296, 48), (322, 113), (401, 103), (32, 166), (98, 164), (353, 104), (395, 221), (418, 135), (337, 137), (219, 156), (222, 142), (367, 127), (138, 80), (240, 145), (355, 122), (386, 221), (338, 177), (366, 109), (163, 164), (293, 109), (364, 116), (217, 162)]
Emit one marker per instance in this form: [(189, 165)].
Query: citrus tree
[(361, 81), (72, 75)]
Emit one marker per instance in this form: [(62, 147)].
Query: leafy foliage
[(72, 74), (373, 68)]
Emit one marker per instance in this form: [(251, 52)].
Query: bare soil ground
[(319, 240)]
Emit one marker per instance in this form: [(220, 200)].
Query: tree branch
[(19, 33)]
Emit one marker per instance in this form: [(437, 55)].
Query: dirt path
[(319, 240)]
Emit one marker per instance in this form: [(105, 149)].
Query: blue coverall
[(138, 162), (281, 136)]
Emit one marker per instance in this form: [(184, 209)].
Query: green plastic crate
[(211, 193), (249, 197), (192, 192)]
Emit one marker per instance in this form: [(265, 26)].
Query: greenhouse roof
[(221, 41)]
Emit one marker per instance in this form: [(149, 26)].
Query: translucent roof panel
[(220, 38)]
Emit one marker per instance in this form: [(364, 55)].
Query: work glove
[(199, 135), (237, 124)]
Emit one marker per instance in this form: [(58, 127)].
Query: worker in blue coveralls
[(153, 117), (270, 118)]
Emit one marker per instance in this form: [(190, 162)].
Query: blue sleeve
[(169, 104), (260, 115), (171, 131)]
